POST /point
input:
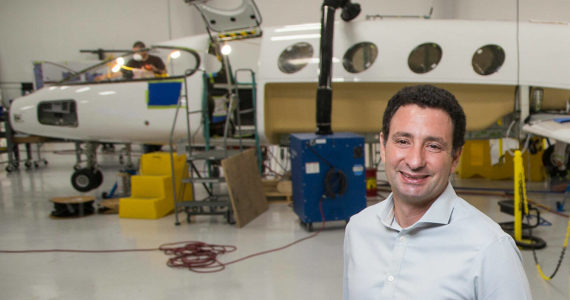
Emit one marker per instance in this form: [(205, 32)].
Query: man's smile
[(413, 178)]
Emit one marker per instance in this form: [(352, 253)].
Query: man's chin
[(415, 197), (414, 200)]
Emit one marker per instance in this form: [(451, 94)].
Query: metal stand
[(214, 150), (209, 156), (13, 151)]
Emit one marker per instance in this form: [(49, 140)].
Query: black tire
[(86, 179), (97, 178), (81, 180), (12, 167)]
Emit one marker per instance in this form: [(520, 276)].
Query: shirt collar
[(438, 213)]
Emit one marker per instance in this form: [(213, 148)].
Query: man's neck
[(407, 214)]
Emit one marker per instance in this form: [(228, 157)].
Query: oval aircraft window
[(295, 57), (360, 57), (488, 59), (424, 58)]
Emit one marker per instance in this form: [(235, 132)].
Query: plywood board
[(245, 187)]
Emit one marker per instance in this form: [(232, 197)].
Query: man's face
[(140, 51), (417, 154)]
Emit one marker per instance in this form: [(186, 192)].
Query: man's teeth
[(415, 177)]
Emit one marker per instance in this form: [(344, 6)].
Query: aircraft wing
[(556, 127)]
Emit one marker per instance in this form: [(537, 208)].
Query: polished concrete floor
[(311, 269)]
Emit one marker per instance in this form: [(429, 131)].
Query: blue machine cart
[(327, 170)]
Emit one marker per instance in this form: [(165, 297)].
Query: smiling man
[(423, 241)]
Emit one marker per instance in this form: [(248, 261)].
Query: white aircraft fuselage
[(286, 64)]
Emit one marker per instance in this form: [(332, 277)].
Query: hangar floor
[(308, 270)]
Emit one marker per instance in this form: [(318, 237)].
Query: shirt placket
[(393, 270)]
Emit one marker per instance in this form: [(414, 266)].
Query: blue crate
[(313, 157)]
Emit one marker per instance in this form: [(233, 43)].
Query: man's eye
[(434, 147), (402, 141)]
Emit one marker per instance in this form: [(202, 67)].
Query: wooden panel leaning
[(245, 187)]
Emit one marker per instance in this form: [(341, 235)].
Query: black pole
[(324, 89)]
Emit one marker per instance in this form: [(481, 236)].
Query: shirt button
[(390, 278)]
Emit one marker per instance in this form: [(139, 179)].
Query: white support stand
[(524, 92)]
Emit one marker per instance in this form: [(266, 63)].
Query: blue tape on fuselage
[(163, 94)]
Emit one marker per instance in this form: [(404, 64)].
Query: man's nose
[(415, 158)]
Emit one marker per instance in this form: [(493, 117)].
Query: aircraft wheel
[(86, 179), (98, 176), (11, 167)]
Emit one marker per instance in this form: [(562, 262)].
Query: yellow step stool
[(158, 163), (151, 191), (151, 198)]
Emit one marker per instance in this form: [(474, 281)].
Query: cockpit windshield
[(152, 63)]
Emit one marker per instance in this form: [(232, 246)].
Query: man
[(143, 63), (423, 241)]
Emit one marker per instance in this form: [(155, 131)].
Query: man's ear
[(455, 159), (382, 147)]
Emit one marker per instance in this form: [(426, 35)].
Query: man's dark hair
[(139, 44), (428, 96)]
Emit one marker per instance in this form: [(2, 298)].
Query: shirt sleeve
[(160, 64), (500, 274), (157, 63)]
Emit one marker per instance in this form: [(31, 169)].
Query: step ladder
[(222, 26), (213, 151)]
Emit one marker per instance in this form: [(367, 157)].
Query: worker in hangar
[(143, 62), (423, 241)]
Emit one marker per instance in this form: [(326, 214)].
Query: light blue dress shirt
[(453, 252)]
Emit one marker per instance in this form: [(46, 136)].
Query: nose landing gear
[(87, 175), (86, 179)]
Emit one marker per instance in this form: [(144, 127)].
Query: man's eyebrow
[(402, 134), (430, 138)]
